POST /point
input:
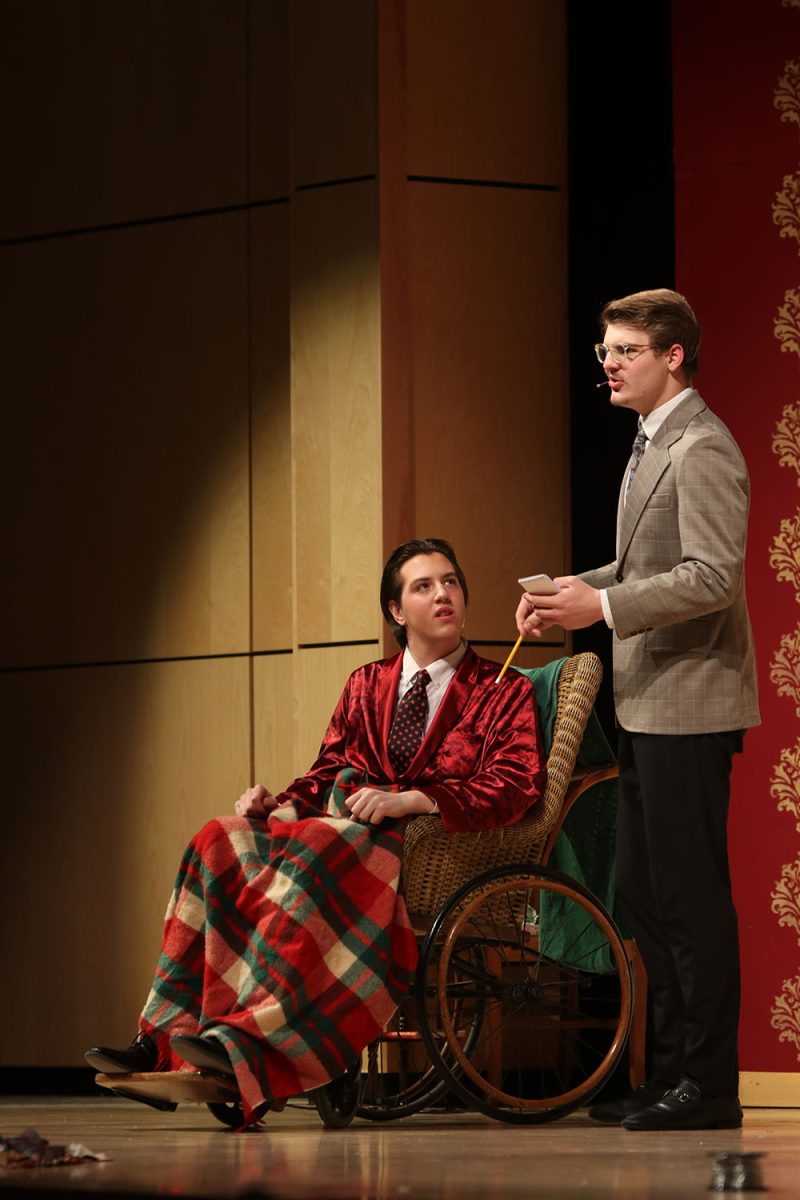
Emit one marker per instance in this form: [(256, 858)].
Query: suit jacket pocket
[(689, 639), (660, 500)]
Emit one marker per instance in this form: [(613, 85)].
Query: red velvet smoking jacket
[(481, 761)]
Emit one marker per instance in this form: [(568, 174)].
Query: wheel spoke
[(551, 1027)]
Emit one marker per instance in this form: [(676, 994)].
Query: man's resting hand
[(257, 801), (372, 804)]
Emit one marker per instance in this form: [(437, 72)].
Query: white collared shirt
[(441, 672), (655, 419)]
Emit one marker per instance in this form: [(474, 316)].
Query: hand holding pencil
[(536, 585)]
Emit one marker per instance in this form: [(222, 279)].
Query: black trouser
[(674, 884)]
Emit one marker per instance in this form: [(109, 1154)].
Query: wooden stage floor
[(461, 1157)]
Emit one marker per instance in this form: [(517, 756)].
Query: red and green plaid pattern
[(288, 941)]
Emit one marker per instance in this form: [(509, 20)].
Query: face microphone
[(605, 383)]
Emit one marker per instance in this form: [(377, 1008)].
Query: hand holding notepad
[(538, 585)]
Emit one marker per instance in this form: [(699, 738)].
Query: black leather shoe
[(205, 1052), (687, 1107), (141, 1055), (614, 1112)]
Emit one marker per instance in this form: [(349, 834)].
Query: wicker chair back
[(436, 863)]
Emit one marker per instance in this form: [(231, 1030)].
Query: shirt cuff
[(606, 608)]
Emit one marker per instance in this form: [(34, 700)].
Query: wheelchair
[(526, 994)]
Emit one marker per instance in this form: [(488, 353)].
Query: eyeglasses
[(621, 353)]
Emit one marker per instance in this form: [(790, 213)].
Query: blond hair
[(665, 316)]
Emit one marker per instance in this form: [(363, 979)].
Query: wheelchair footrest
[(173, 1087)]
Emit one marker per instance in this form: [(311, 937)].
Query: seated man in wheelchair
[(287, 944)]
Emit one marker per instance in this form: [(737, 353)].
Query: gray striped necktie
[(639, 443)]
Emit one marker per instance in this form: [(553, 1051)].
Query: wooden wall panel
[(336, 412), (486, 93), (271, 430), (320, 676), (113, 770), (333, 90), (274, 721), (488, 336), (124, 473), (268, 66), (194, 422), (123, 110), (398, 506)]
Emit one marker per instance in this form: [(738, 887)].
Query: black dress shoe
[(614, 1112), (204, 1052), (141, 1055), (687, 1107)]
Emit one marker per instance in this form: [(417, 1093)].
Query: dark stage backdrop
[(737, 172), (621, 239)]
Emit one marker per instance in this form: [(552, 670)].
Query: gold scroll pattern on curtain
[(785, 560)]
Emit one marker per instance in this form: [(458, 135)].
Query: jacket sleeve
[(600, 577)]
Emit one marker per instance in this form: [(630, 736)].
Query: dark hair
[(667, 318), (392, 583)]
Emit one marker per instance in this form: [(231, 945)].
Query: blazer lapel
[(654, 463)]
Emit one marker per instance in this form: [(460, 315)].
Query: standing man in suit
[(685, 691)]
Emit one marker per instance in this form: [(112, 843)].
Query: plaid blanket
[(289, 941)]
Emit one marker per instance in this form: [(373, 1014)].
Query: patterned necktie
[(408, 727), (639, 443)]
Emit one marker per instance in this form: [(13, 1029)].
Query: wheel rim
[(495, 950)]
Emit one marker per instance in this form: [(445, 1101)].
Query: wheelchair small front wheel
[(229, 1112), (338, 1101)]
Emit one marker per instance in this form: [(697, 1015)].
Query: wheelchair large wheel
[(542, 962), (400, 1077)]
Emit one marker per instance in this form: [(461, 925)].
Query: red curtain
[(737, 168)]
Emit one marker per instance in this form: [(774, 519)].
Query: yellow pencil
[(507, 663)]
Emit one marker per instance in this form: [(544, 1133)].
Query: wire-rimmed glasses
[(622, 353)]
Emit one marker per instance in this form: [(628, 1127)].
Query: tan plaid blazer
[(683, 647)]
